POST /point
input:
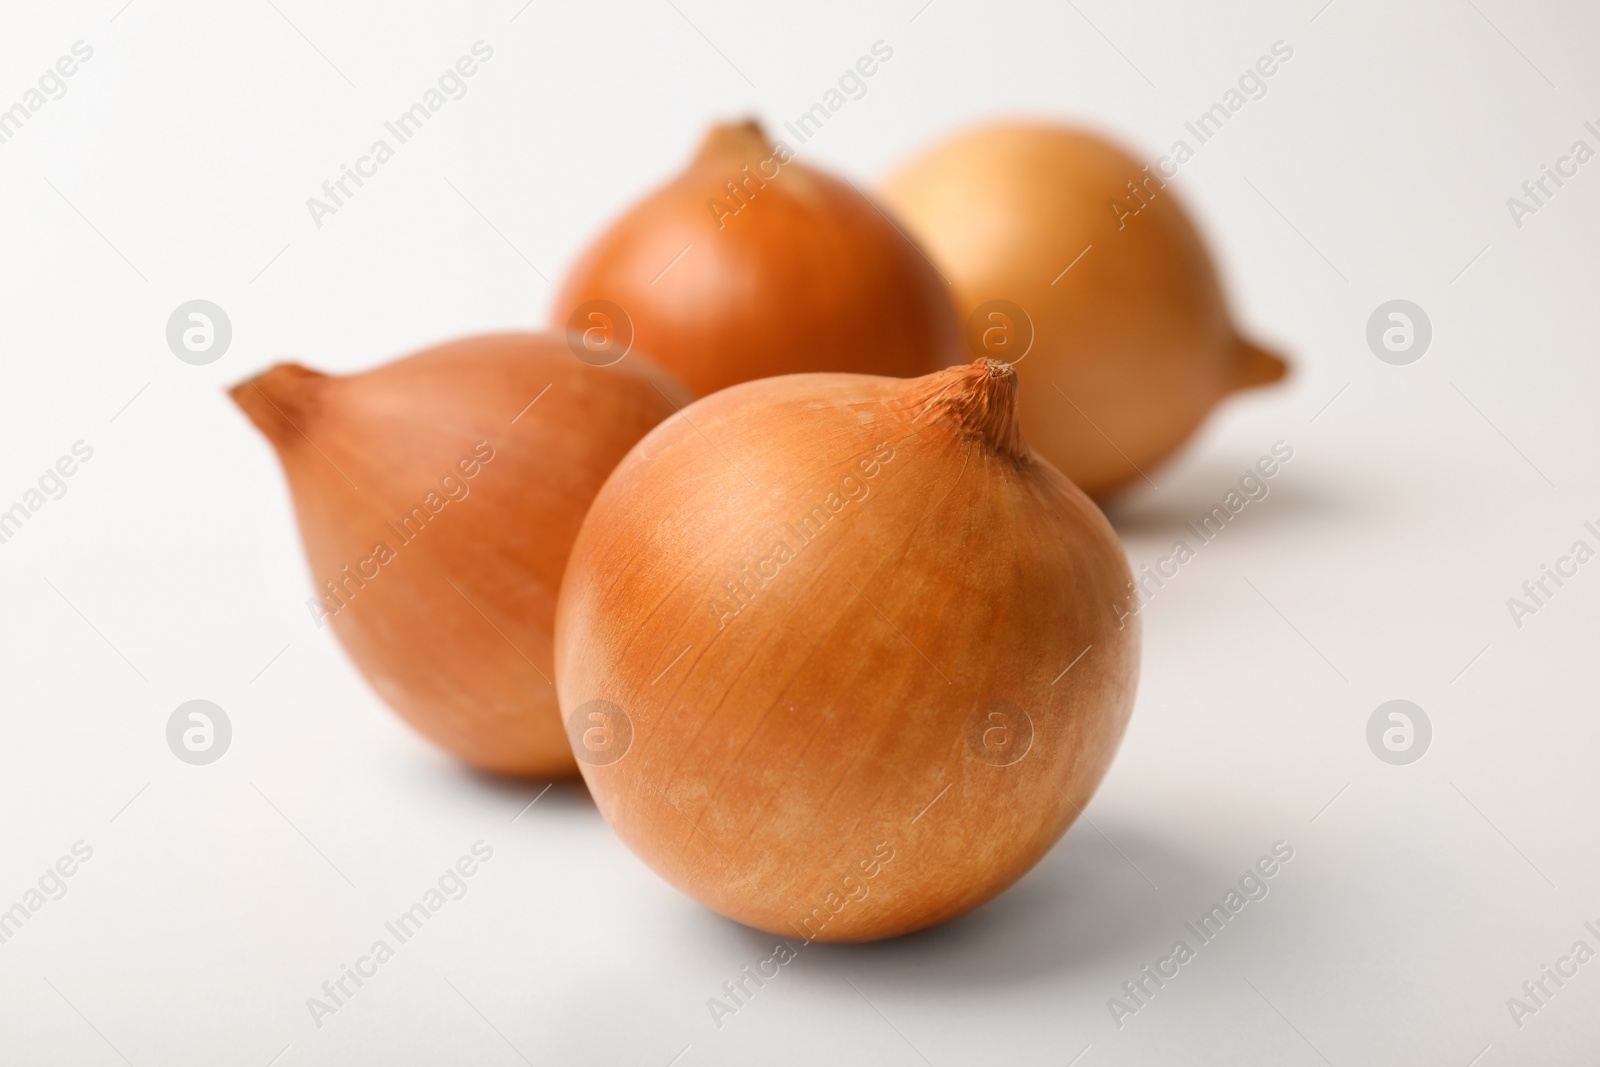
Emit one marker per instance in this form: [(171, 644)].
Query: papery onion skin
[(781, 749), (789, 271), (454, 628), (1133, 344)]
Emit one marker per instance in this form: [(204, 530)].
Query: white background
[(1378, 165)]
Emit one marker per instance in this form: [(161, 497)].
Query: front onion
[(438, 497), (840, 656)]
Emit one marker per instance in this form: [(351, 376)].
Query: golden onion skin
[(1132, 345), (750, 264), (813, 648), (452, 625)]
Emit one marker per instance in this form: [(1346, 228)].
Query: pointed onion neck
[(982, 397), (734, 140), (280, 400), (1255, 366)]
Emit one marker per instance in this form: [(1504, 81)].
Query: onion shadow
[(564, 796), (1086, 900), (1161, 515)]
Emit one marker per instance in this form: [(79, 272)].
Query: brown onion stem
[(982, 397), (738, 140), (279, 399)]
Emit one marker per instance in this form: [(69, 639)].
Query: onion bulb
[(749, 265), (842, 658), (1074, 261), (438, 497)]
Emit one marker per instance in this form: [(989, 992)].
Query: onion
[(438, 503), (841, 658), (749, 265), (1131, 344)]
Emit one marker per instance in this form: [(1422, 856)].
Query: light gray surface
[(220, 897)]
